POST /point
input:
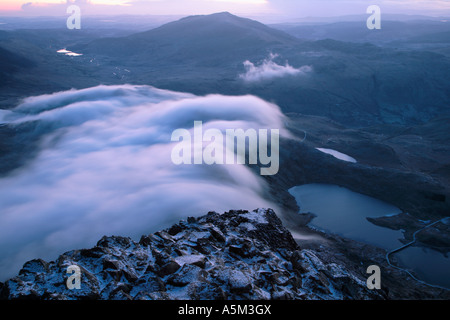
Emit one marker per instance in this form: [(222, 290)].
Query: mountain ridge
[(235, 255), (193, 36), (230, 256)]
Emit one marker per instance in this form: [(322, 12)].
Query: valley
[(383, 101)]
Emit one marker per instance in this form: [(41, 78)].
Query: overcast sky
[(286, 8)]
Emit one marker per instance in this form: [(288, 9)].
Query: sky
[(287, 8)]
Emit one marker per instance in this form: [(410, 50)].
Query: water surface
[(338, 155), (344, 212)]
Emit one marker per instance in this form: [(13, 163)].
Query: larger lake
[(341, 211)]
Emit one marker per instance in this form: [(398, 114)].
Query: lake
[(341, 211), (337, 155), (69, 53)]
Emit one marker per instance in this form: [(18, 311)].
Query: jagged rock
[(34, 266), (217, 234), (169, 268), (206, 291), (234, 255), (194, 259), (188, 274)]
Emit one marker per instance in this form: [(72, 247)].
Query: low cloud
[(269, 69), (104, 168)]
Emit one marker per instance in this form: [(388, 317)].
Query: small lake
[(338, 155), (69, 53), (430, 265), (341, 211)]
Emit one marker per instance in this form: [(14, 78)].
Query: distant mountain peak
[(221, 21), (219, 34), (224, 13), (224, 16)]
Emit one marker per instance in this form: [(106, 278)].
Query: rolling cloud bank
[(104, 168)]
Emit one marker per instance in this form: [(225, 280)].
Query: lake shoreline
[(342, 222)]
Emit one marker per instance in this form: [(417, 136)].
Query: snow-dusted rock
[(234, 255)]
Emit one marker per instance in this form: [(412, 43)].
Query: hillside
[(194, 37), (235, 255), (356, 84)]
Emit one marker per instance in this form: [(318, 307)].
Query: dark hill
[(10, 63), (194, 37)]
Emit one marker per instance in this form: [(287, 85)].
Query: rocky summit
[(234, 255)]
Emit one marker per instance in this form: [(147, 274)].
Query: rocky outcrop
[(235, 255)]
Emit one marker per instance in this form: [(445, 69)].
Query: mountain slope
[(237, 255), (11, 63), (356, 31), (356, 84), (194, 37)]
